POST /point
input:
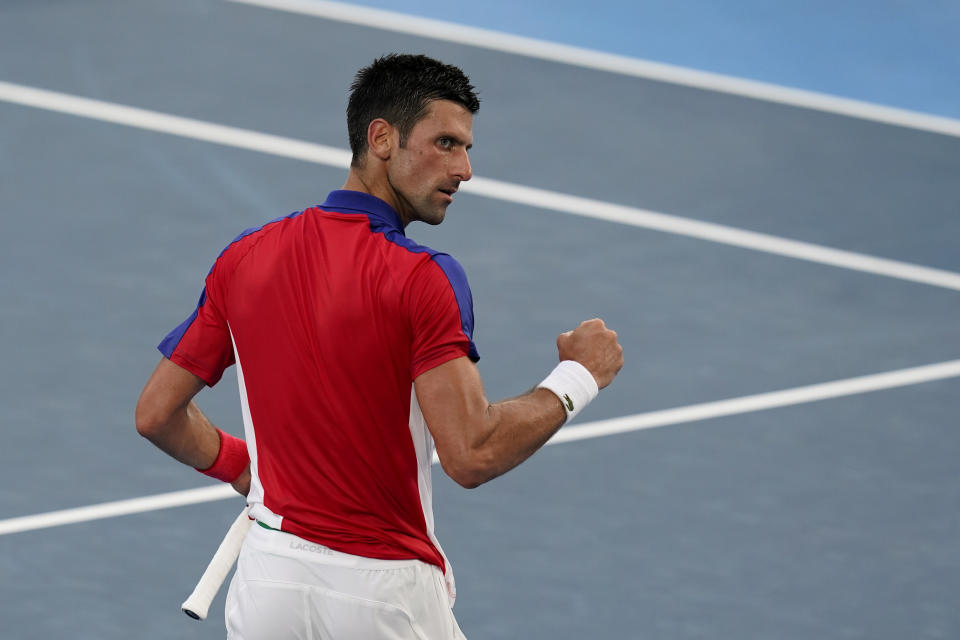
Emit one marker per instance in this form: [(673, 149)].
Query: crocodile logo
[(568, 401)]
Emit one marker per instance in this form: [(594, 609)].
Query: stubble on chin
[(432, 213), (438, 215)]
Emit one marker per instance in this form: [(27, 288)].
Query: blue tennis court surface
[(892, 53), (832, 517)]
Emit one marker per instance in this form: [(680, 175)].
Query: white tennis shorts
[(287, 588)]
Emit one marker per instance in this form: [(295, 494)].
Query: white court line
[(565, 54), (117, 508), (498, 190), (173, 125), (761, 401), (636, 422), (722, 234)]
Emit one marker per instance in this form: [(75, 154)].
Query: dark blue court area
[(829, 519)]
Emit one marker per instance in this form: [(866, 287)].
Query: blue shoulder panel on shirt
[(169, 344), (451, 268), (461, 289)]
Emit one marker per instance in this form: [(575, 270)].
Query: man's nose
[(463, 169)]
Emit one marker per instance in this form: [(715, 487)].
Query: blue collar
[(380, 213)]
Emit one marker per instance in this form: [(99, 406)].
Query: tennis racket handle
[(198, 604)]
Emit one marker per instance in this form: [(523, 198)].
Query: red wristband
[(231, 460)]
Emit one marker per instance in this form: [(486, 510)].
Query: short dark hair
[(399, 88)]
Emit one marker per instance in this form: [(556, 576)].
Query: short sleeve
[(440, 307), (201, 344)]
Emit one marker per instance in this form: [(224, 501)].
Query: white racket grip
[(198, 604)]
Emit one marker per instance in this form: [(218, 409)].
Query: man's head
[(398, 88), (411, 125)]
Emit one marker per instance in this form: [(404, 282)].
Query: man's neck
[(375, 185)]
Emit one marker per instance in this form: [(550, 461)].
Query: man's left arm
[(167, 416)]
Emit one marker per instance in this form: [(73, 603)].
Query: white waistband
[(286, 544)]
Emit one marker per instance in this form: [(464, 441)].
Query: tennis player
[(355, 358)]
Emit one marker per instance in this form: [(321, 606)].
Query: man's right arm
[(477, 441)]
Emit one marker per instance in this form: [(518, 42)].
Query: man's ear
[(381, 138)]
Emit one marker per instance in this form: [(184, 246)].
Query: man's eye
[(445, 143)]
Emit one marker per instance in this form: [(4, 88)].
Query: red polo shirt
[(330, 314)]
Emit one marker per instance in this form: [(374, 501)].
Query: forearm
[(167, 416), (516, 428), (477, 440), (186, 435)]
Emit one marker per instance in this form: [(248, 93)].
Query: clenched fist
[(595, 347)]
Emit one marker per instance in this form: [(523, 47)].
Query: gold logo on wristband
[(566, 398)]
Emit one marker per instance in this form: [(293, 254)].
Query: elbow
[(146, 426), (469, 481), (470, 471), (149, 422)]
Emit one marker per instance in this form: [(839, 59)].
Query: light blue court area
[(899, 54)]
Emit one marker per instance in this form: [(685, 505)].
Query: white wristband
[(573, 384)]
